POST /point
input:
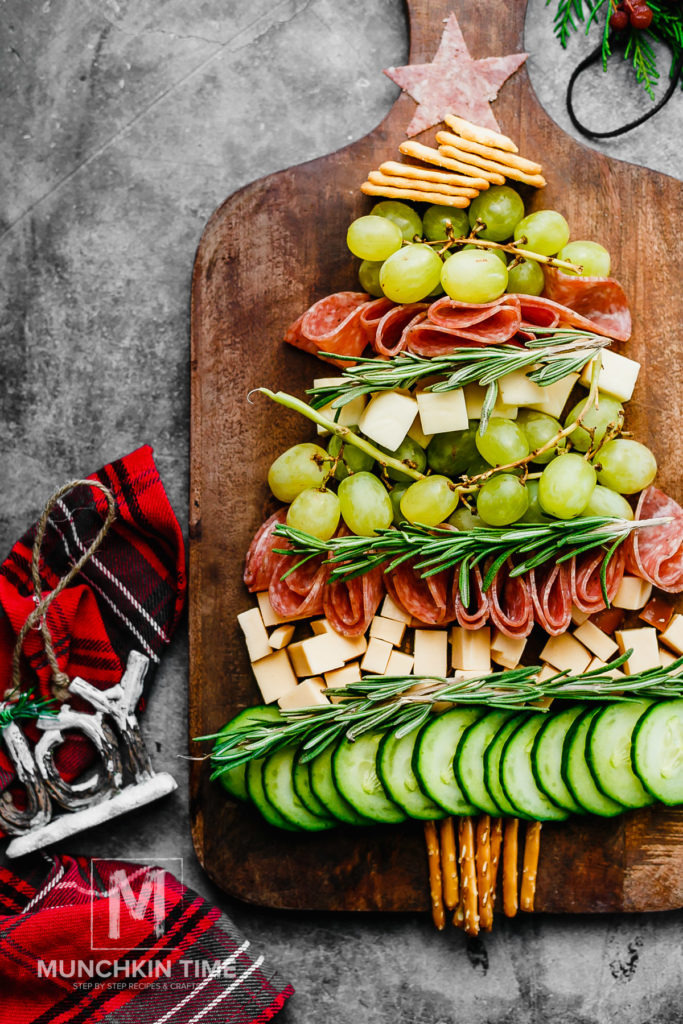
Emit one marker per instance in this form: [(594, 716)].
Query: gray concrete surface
[(123, 125)]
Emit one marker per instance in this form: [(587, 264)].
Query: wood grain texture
[(266, 254)]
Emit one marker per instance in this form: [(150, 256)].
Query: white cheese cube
[(341, 677), (307, 694), (388, 417), (471, 649), (633, 593), (430, 652), (597, 663), (316, 655), (618, 375), (256, 638), (474, 403), (555, 396), (566, 653), (442, 411), (418, 435), (578, 617), (673, 634), (645, 648), (377, 656), (399, 664), (507, 650), (391, 610), (602, 645), (280, 637), (349, 646), (516, 389), (388, 629), (268, 614), (274, 676), (666, 657), (349, 414)]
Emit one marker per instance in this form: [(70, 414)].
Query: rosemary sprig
[(402, 703), (24, 706)]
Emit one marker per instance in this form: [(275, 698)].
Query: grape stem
[(347, 435), (514, 249)]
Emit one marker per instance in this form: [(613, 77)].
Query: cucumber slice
[(394, 767), (657, 750), (433, 758), (234, 781), (492, 757), (576, 773), (546, 757), (469, 759), (354, 766), (257, 795), (301, 781), (279, 789), (324, 788), (608, 748), (517, 777)]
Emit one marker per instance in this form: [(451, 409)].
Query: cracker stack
[(468, 160)]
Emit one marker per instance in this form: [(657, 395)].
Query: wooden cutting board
[(267, 253)]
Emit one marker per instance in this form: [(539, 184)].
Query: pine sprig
[(25, 706), (644, 60)]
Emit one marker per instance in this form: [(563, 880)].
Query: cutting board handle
[(504, 25)]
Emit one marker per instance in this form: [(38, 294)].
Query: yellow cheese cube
[(555, 396), (388, 417), (471, 649), (566, 653), (547, 672), (430, 652), (255, 635), (516, 389), (442, 411), (377, 656), (673, 634), (268, 614), (274, 676), (578, 617), (349, 646), (280, 637), (597, 663), (507, 650), (390, 630), (417, 434), (322, 626), (307, 694), (633, 593), (399, 664), (347, 415), (618, 375), (645, 648), (316, 655), (390, 610), (474, 403), (602, 645), (341, 677), (666, 657)]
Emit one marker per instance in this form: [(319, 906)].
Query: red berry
[(619, 20), (641, 17)]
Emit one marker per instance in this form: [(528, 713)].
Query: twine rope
[(38, 617)]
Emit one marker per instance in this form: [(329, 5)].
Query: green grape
[(500, 208), (411, 273), (373, 238), (436, 219), (565, 486), (477, 466), (353, 460), (463, 519), (304, 465), (592, 256), (407, 219), (470, 276), (396, 494), (534, 513), (546, 232), (365, 504), (605, 502), (503, 442), (315, 512), (539, 428), (429, 501), (609, 412), (625, 466), (368, 276), (502, 500), (451, 453), (408, 451), (525, 279), (500, 253)]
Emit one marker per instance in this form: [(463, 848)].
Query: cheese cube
[(316, 654), (388, 417), (349, 646), (597, 663), (566, 653), (268, 614), (308, 693), (251, 624), (430, 651), (471, 649), (555, 396), (391, 610), (322, 626), (516, 389), (673, 634), (666, 657), (280, 637), (645, 648), (399, 664), (274, 676), (340, 677), (346, 415), (633, 593), (578, 617), (441, 411), (507, 650), (388, 629), (377, 656), (474, 403), (547, 672), (596, 641), (618, 375), (417, 434)]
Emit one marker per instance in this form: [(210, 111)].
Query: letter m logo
[(121, 895)]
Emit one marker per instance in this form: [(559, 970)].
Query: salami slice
[(491, 323), (551, 594), (476, 613), (260, 560), (332, 324), (426, 599), (372, 313), (511, 607), (601, 300), (300, 595), (349, 605), (585, 578), (656, 552), (390, 337)]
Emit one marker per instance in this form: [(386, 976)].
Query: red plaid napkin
[(124, 944)]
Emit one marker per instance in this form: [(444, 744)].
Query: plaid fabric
[(128, 596), (108, 941)]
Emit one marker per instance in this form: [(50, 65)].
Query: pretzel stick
[(532, 847), (370, 189), (492, 153), (510, 904), (496, 843), (467, 130), (482, 166), (393, 168), (433, 156), (449, 863), (435, 888), (484, 872), (468, 877), (422, 185)]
